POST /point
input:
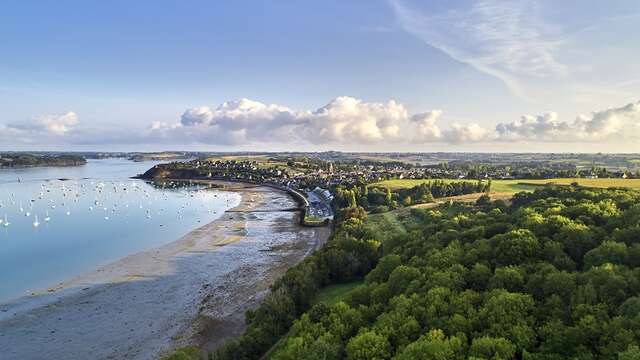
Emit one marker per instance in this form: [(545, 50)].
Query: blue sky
[(349, 75)]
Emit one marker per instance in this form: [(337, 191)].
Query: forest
[(555, 274), (29, 160)]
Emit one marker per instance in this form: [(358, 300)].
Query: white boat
[(6, 222), (47, 218), (36, 223)]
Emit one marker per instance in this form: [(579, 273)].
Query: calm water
[(95, 217)]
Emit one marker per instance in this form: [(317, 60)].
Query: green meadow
[(515, 186)]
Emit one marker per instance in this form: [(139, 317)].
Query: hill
[(554, 275)]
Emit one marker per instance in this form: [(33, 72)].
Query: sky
[(357, 75)]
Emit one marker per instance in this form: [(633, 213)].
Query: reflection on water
[(53, 229)]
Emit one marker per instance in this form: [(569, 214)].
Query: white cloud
[(195, 116), (427, 129), (622, 123), (344, 120), (233, 122), (50, 124), (347, 119), (462, 134)]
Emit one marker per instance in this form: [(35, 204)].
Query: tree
[(426, 197), (401, 277), (434, 346), (508, 315), (368, 346), (352, 199), (515, 247), (510, 278), (484, 200), (385, 266), (389, 198), (407, 201), (492, 348), (608, 252), (479, 276), (632, 353)]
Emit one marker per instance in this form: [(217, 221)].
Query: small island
[(158, 156), (13, 160)]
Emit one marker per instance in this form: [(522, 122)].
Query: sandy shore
[(193, 291)]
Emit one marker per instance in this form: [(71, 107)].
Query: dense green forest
[(553, 275), (29, 160)]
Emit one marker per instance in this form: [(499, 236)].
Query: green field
[(515, 186), (333, 294)]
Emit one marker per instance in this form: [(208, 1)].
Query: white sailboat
[(6, 222), (36, 223), (47, 218)]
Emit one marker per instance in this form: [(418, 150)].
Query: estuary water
[(60, 222)]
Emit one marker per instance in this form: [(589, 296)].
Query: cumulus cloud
[(610, 124), (233, 122), (347, 119), (43, 125), (344, 120), (460, 133), (426, 127), (51, 124), (196, 116)]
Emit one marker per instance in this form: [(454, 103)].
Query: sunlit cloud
[(621, 123), (344, 120), (53, 124)]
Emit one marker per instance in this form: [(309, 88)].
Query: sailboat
[(6, 222), (36, 223), (47, 218)]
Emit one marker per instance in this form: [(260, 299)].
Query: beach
[(193, 291)]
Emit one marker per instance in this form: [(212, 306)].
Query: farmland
[(515, 186)]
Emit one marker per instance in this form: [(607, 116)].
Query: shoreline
[(192, 291)]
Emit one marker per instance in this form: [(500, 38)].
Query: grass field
[(515, 186), (333, 294)]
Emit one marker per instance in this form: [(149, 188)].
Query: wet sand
[(193, 291)]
